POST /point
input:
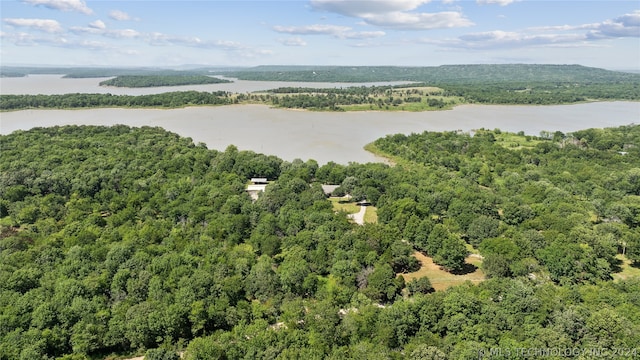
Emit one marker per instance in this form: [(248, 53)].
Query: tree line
[(82, 100)]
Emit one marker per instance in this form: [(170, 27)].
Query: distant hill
[(488, 84), (445, 74)]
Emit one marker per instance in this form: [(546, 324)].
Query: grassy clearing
[(472, 250), (413, 107), (371, 215), (341, 204), (628, 270), (516, 142), (440, 279)]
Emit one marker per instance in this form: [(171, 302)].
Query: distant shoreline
[(391, 110)]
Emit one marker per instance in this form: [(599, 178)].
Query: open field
[(340, 204), (440, 279), (514, 141), (371, 215), (414, 106)]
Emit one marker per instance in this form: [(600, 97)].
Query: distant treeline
[(543, 93), (493, 84), (135, 81), (65, 101), (446, 74), (352, 90)]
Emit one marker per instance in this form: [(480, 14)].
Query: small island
[(138, 81)]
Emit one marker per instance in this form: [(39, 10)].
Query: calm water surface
[(327, 136)]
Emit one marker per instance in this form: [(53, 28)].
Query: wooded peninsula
[(134, 81)]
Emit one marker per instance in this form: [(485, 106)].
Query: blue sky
[(603, 34)]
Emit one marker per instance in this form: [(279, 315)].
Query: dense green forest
[(135, 81), (363, 98), (116, 240), (82, 100)]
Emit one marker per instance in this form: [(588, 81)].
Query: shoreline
[(270, 106)]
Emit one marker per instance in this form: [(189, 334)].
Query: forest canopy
[(119, 240)]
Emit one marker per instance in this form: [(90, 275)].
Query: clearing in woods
[(440, 279)]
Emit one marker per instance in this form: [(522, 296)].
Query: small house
[(257, 186), (328, 189)]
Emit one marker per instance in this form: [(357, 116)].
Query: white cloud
[(397, 14), (557, 28), (340, 32), (83, 37), (419, 21), (627, 25), (632, 19), (502, 39), (293, 41), (119, 15), (317, 29), (234, 48), (19, 38), (361, 8), (46, 25), (63, 5), (26, 39), (98, 27), (90, 44), (499, 2), (98, 24), (122, 33), (363, 34)]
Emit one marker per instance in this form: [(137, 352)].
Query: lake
[(329, 136), (56, 84)]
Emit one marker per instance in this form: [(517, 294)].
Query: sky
[(163, 33)]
